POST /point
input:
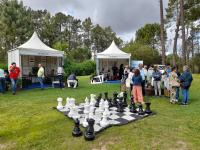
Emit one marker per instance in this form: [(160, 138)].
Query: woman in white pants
[(157, 81)]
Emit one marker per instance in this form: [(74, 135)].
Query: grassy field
[(28, 122)]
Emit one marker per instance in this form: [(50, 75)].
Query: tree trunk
[(176, 38), (183, 31), (162, 32)]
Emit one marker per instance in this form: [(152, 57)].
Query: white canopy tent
[(34, 51), (112, 55)]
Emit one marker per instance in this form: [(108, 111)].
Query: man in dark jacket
[(72, 81), (185, 80)]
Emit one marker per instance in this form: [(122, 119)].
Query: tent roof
[(35, 43), (113, 52)]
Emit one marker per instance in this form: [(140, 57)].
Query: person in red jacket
[(14, 74)]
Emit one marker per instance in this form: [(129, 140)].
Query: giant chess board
[(115, 118)]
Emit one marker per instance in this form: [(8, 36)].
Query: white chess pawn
[(106, 106), (101, 106), (85, 123), (67, 104), (59, 106), (76, 114), (92, 100), (72, 102), (86, 106), (91, 113), (104, 122), (71, 112)]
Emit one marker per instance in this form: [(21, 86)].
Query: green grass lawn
[(27, 121)]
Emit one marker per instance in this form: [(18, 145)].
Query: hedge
[(80, 69)]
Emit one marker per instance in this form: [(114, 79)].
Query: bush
[(81, 69), (3, 66)]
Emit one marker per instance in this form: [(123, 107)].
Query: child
[(137, 87)]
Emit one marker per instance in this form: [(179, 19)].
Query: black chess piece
[(132, 107), (140, 111), (148, 109), (77, 131), (120, 107), (106, 96), (89, 134), (110, 102), (132, 98), (98, 100), (115, 99), (125, 99)]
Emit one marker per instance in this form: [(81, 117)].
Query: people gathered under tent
[(72, 81)]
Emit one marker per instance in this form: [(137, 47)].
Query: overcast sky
[(124, 16)]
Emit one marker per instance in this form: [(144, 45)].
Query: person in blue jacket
[(185, 82)]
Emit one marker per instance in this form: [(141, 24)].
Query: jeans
[(14, 85), (177, 93), (40, 79), (2, 85), (185, 93), (157, 87), (60, 77)]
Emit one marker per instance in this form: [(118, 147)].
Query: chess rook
[(148, 109), (59, 106), (89, 134), (140, 111), (76, 131)]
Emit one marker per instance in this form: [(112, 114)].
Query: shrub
[(85, 68), (3, 66)]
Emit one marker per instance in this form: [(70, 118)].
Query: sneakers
[(183, 104)]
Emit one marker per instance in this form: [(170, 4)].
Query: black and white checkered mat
[(115, 118)]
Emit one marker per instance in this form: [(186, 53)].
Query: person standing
[(2, 81), (157, 81), (130, 76), (142, 73), (115, 71), (60, 73), (178, 88), (174, 84), (121, 71), (168, 70), (185, 82), (14, 74), (41, 76), (137, 87), (149, 76)]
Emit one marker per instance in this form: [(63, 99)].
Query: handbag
[(175, 84)]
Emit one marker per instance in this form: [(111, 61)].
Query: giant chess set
[(98, 113)]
